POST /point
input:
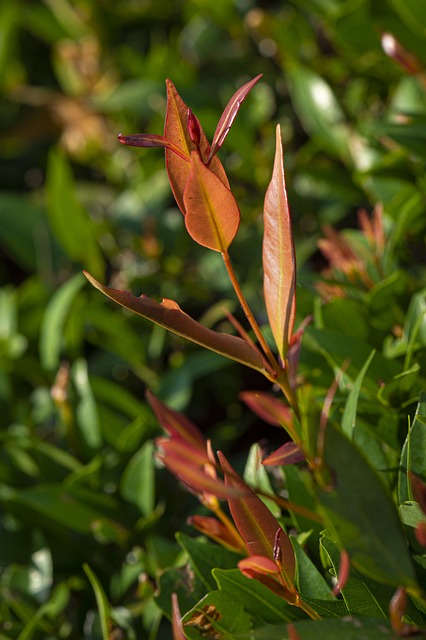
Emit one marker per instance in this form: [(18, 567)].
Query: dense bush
[(88, 519)]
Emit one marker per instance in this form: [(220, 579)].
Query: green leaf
[(223, 612), (359, 511), (330, 629), (413, 456), (69, 222), (101, 601), (169, 315), (258, 600), (54, 319), (205, 556), (362, 596), (350, 411), (278, 256), (138, 481), (87, 413), (309, 581), (318, 110)]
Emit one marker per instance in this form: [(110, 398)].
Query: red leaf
[(177, 627), (212, 214), (279, 261), (176, 424), (289, 453), (228, 116), (152, 140), (256, 524), (169, 315), (176, 130), (214, 529)]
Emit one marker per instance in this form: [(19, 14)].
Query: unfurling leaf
[(152, 140), (271, 410), (214, 529), (169, 315), (279, 261), (212, 215), (176, 130), (228, 116), (256, 524)]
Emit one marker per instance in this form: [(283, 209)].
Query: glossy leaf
[(349, 628), (176, 130), (255, 522), (279, 261), (228, 116), (212, 214), (168, 314), (212, 528)]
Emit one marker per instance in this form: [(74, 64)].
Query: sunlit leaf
[(279, 261), (168, 314), (176, 130), (212, 214), (228, 115)]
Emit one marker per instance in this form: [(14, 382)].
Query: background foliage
[(86, 519)]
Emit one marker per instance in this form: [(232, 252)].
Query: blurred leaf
[(55, 316), (318, 110), (278, 257), (364, 520), (101, 601), (413, 13), (86, 410), (70, 223), (137, 482)]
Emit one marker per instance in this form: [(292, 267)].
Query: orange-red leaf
[(288, 453), (279, 262), (176, 424), (256, 524), (176, 130), (214, 529), (169, 315), (212, 214), (228, 116)]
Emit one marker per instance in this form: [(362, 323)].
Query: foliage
[(326, 538)]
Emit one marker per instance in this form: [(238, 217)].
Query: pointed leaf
[(176, 130), (289, 453), (177, 627), (152, 140), (174, 423), (279, 261), (228, 116), (212, 214), (214, 529), (270, 409), (168, 314), (256, 523)]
